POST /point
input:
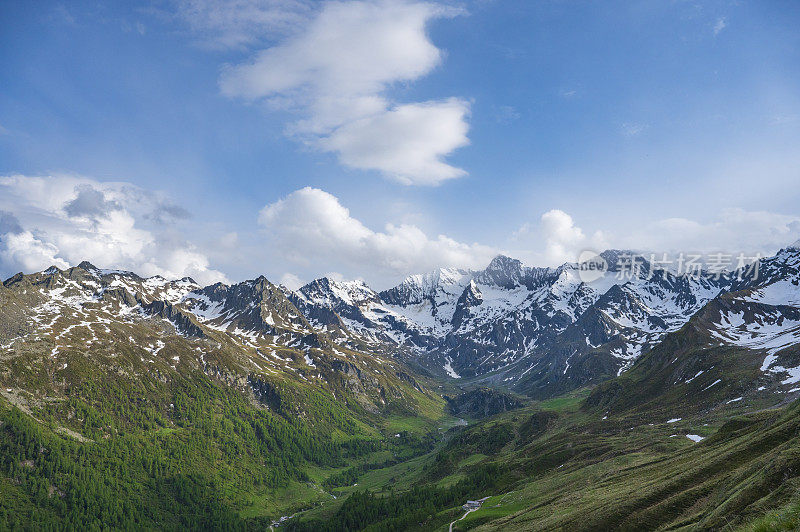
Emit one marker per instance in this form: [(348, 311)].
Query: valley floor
[(558, 466)]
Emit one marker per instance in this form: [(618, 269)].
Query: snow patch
[(449, 369)]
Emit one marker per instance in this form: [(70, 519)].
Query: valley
[(145, 402)]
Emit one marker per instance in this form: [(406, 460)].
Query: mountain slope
[(742, 346), (216, 402)]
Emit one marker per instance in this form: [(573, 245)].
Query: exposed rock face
[(482, 402)]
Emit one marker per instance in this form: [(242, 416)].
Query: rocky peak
[(88, 266), (417, 288), (502, 263), (332, 292), (471, 297), (616, 258), (14, 279), (503, 271)]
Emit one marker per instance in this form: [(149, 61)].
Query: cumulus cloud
[(335, 73), (311, 227), (30, 253), (564, 240), (90, 202), (63, 220), (385, 141)]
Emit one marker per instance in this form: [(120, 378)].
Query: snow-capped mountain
[(743, 348), (541, 331), (62, 323)]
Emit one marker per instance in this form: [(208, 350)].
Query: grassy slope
[(584, 474), (560, 466), (244, 462)]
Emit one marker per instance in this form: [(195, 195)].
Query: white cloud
[(407, 142), (719, 25), (30, 253), (335, 72), (63, 220), (311, 228), (291, 281), (564, 240), (733, 231)]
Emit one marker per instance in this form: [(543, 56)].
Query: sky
[(376, 139)]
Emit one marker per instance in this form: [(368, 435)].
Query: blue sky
[(378, 139)]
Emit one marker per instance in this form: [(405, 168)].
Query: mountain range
[(535, 331), (239, 405)]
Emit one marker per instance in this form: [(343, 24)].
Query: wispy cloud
[(720, 25), (633, 129), (226, 24)]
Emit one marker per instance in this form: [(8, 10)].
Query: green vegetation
[(570, 469), (787, 518), (419, 508), (211, 459), (194, 453)]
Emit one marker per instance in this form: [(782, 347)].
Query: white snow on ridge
[(768, 360), (774, 332), (793, 373), (778, 293)]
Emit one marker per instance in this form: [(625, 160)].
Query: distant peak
[(615, 254), (88, 266), (330, 282), (502, 262)]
